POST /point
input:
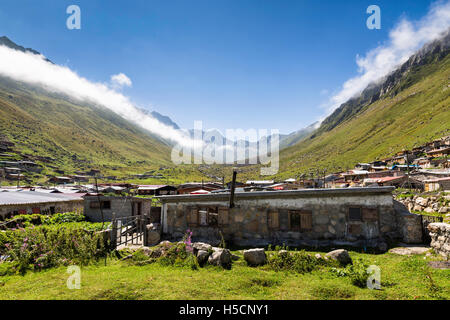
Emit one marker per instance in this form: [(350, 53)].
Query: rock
[(318, 256), (153, 237), (429, 210), (422, 201), (235, 257), (443, 210), (382, 246), (255, 257), (201, 246), (340, 255), (165, 244), (407, 251), (202, 257), (417, 208), (221, 257)]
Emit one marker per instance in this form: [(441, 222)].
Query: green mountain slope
[(409, 108), (77, 136)]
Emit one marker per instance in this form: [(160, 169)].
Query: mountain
[(5, 41), (295, 137), (63, 134), (409, 107)]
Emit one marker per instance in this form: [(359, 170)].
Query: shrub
[(52, 245), (28, 220), (300, 262), (357, 272)]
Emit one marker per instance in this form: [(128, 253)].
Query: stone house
[(29, 202), (120, 206), (362, 217)]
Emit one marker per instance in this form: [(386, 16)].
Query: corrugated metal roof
[(28, 197)]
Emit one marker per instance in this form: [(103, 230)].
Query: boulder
[(220, 257), (202, 257), (443, 210), (255, 257), (422, 201), (341, 256), (153, 237), (201, 246), (429, 210), (417, 208)]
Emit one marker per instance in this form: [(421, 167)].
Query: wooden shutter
[(370, 215), (36, 210), (306, 220), (193, 217), (223, 216), (22, 211), (355, 229), (274, 222)]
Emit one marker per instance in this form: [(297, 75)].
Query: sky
[(229, 63)]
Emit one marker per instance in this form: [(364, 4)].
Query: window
[(106, 205), (294, 221), (36, 210), (203, 217), (213, 217), (354, 214), (300, 220)]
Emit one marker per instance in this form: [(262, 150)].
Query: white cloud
[(120, 80), (404, 40), (34, 69)]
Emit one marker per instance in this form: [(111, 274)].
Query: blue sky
[(230, 63)]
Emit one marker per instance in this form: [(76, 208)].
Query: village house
[(156, 190), (60, 180), (362, 217), (436, 153), (112, 205), (188, 188), (29, 202), (437, 184)]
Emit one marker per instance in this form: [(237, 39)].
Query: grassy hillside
[(77, 136), (418, 113)]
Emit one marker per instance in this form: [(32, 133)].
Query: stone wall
[(7, 211), (120, 206), (313, 218), (440, 238)]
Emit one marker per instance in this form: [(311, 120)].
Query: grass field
[(402, 277)]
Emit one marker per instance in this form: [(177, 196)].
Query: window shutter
[(370, 215), (22, 211), (193, 217), (223, 216), (274, 222), (355, 229), (306, 220), (36, 210)]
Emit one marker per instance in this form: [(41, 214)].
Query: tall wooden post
[(233, 187)]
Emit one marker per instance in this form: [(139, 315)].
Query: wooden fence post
[(114, 231)]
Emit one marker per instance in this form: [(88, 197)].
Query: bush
[(47, 246), (28, 220), (300, 262), (357, 272)]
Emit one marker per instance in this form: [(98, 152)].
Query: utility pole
[(99, 202), (233, 186), (407, 169)]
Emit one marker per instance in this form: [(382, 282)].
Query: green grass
[(401, 278)]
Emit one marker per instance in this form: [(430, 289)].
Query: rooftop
[(28, 197), (278, 194)]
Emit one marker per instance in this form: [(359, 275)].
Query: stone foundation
[(440, 238)]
